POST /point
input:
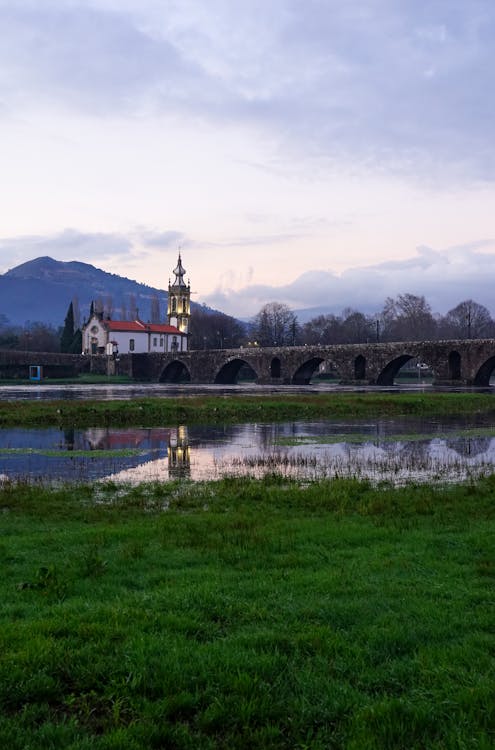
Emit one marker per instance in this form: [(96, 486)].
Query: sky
[(321, 153)]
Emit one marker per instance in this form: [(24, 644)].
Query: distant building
[(105, 336)]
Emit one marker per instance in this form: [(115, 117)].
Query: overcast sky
[(315, 152)]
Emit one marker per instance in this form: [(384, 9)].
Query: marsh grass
[(215, 410), (363, 437), (248, 614), (77, 453)]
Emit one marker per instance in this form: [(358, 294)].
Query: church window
[(161, 342), (174, 304), (155, 341), (131, 345)]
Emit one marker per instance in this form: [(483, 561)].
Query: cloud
[(159, 240), (403, 87), (87, 59), (444, 277)]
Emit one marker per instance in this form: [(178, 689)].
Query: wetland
[(286, 571)]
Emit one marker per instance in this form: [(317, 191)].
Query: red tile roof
[(137, 325)]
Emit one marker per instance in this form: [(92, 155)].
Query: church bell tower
[(179, 300)]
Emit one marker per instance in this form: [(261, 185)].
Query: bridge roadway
[(457, 362)]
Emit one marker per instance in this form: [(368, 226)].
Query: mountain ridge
[(41, 290)]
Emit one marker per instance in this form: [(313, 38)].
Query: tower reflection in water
[(164, 448), (179, 454)]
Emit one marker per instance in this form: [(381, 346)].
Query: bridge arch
[(304, 372), (482, 377), (275, 368), (455, 366), (229, 372), (360, 367), (389, 372), (175, 372)]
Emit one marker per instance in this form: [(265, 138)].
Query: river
[(397, 450)]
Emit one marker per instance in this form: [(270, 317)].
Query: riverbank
[(83, 379), (247, 613), (231, 409)]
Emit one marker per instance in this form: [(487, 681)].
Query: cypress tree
[(76, 343)]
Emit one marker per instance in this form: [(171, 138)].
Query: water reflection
[(105, 392), (179, 454), (396, 450)]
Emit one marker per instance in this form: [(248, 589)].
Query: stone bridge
[(463, 362)]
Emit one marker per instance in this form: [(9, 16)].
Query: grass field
[(247, 614), (214, 409)]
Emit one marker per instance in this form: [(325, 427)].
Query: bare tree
[(108, 306), (155, 316), (407, 318), (215, 330), (275, 325), (39, 337), (356, 328), (469, 320), (133, 308)]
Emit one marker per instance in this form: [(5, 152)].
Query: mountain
[(42, 289)]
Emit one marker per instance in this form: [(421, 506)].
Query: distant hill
[(308, 313), (42, 289)]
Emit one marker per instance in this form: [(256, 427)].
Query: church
[(102, 335)]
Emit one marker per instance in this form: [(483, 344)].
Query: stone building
[(102, 335)]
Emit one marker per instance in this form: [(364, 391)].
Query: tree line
[(407, 317)]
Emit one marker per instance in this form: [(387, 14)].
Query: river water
[(397, 450), (167, 390)]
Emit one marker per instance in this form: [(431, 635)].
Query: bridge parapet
[(452, 362)]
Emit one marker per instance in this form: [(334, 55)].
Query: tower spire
[(179, 272), (179, 299)]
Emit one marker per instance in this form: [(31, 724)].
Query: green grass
[(214, 409), (247, 614), (367, 437), (77, 453)]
